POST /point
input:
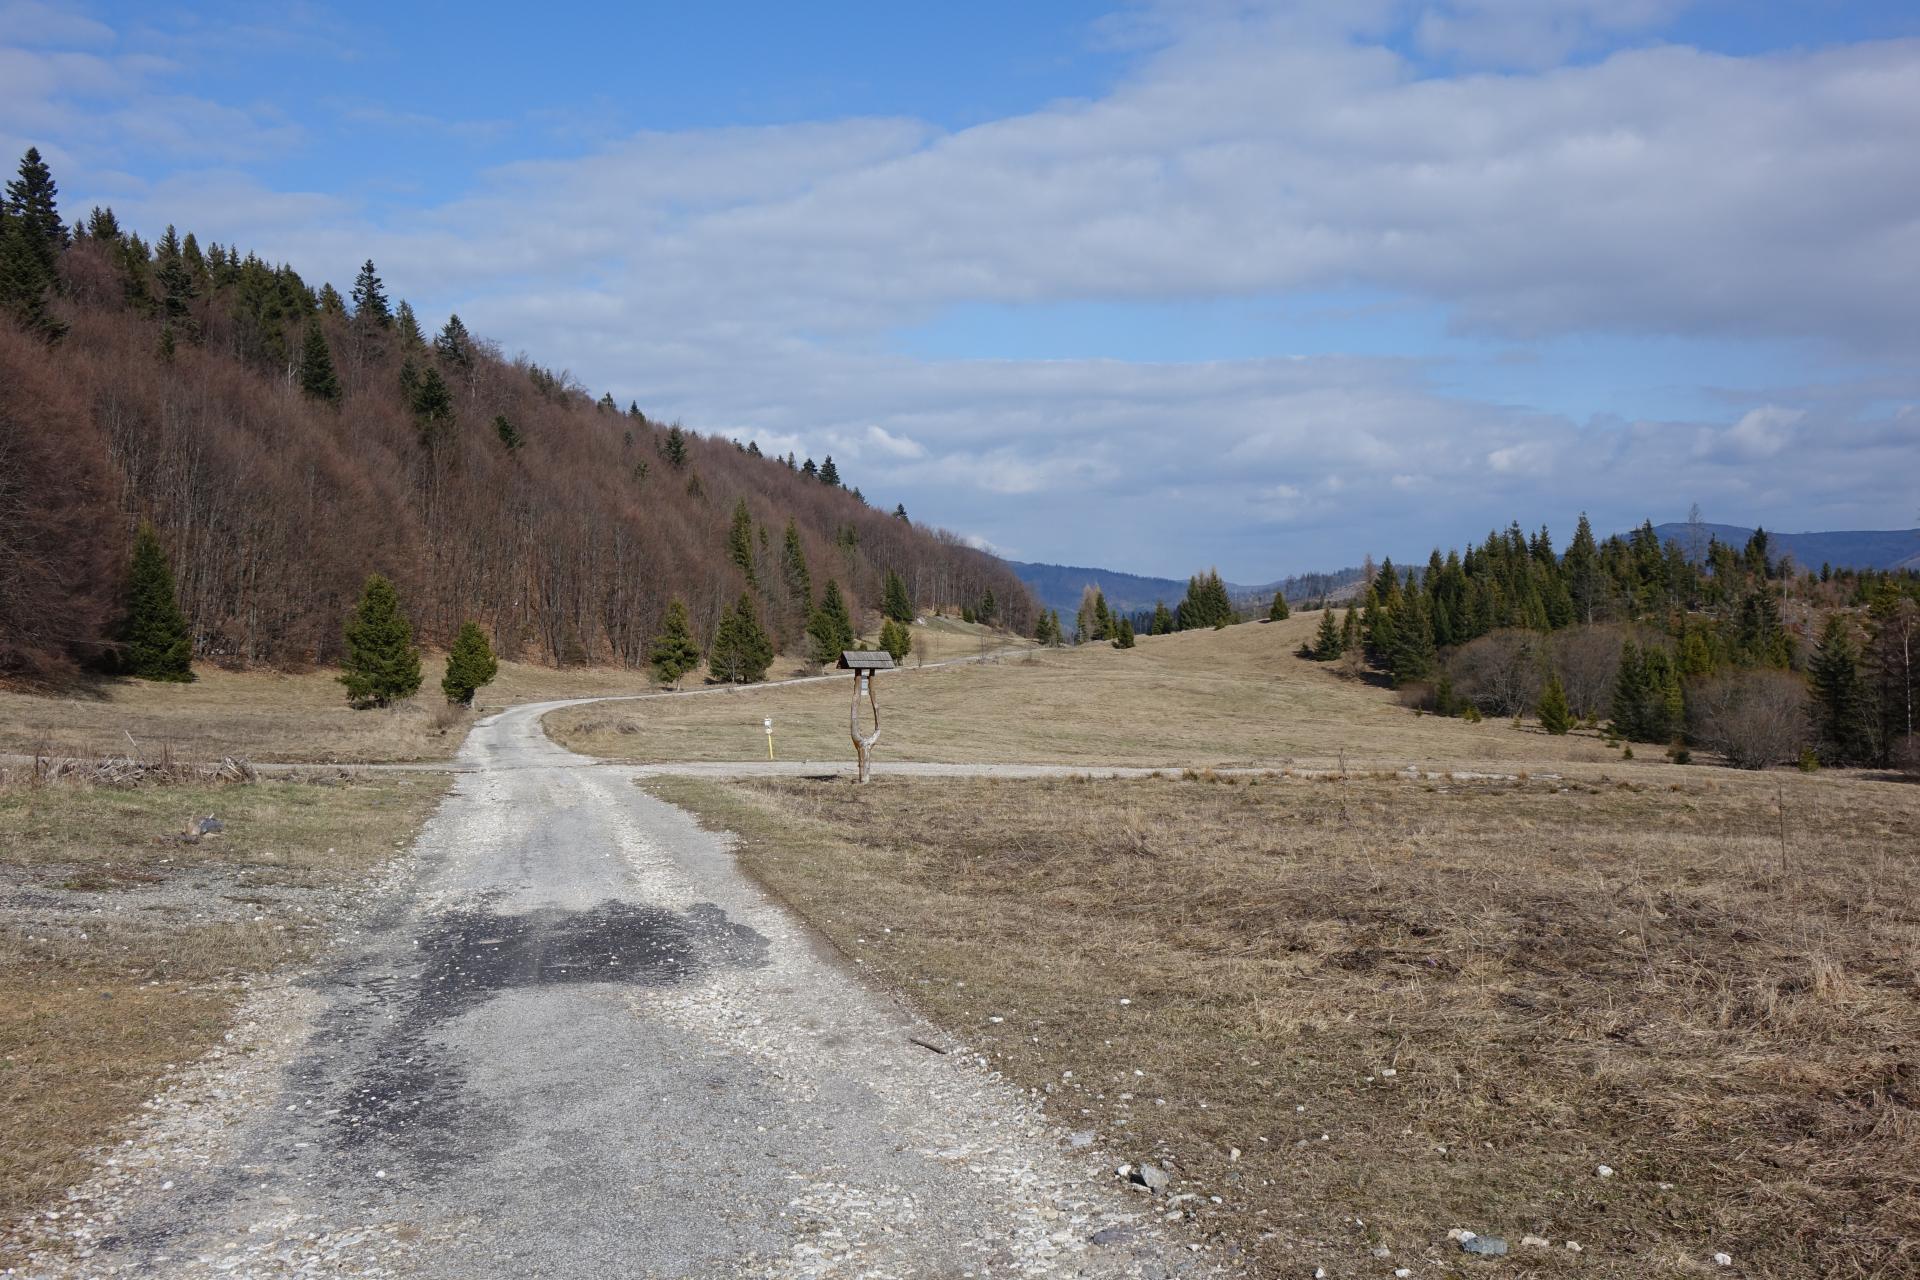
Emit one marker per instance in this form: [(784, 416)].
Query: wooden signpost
[(863, 663)]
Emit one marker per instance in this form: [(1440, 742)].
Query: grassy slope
[(1235, 697), (1666, 979), (122, 950)]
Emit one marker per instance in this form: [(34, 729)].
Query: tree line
[(1734, 649), (284, 441)]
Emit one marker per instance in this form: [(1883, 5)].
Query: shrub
[(1500, 672), (1753, 718)]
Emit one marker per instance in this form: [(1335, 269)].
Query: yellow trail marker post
[(769, 723)]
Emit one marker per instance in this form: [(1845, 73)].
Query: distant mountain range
[(1843, 549), (1058, 586)]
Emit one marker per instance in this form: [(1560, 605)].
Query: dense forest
[(285, 441), (1738, 650)]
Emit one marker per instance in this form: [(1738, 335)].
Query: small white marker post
[(769, 723)]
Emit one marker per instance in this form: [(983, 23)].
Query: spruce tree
[(1123, 634), (896, 603), (674, 652), (454, 344), (793, 568), (157, 643), (675, 447), (408, 326), (1054, 636), (381, 665), (370, 299), (317, 377), (830, 629), (1162, 619), (509, 434), (433, 407), (1349, 630), (24, 286), (1844, 713), (32, 208), (740, 541), (1554, 716), (900, 513), (331, 302), (470, 663), (175, 280), (1630, 695), (1277, 612), (897, 639), (829, 474), (1326, 640), (741, 651)]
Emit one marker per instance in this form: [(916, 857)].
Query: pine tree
[(1206, 603), (1844, 713), (1631, 694), (158, 645), (1277, 612), (433, 407), (896, 603), (24, 284), (1554, 716), (674, 652), (830, 629), (509, 434), (408, 326), (740, 541), (470, 663), (370, 299), (674, 449), (897, 639), (1411, 656), (1327, 644), (454, 344), (317, 377), (32, 208), (1123, 634), (175, 280), (809, 470), (381, 665), (331, 302), (829, 474), (741, 651), (793, 568)]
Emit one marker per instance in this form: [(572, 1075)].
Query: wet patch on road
[(405, 1099)]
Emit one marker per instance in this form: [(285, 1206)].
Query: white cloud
[(749, 278)]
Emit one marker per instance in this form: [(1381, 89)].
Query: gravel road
[(571, 1040)]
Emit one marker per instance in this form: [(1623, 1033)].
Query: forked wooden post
[(864, 663)]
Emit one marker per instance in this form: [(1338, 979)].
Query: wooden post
[(863, 664)]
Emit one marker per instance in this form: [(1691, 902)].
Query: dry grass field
[(1236, 697), (265, 716), (1351, 1015), (123, 949)]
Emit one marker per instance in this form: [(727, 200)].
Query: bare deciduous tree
[(1753, 718)]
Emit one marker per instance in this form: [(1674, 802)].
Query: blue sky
[(1267, 285)]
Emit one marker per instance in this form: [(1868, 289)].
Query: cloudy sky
[(1146, 285)]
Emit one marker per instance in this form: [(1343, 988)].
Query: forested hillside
[(285, 441)]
